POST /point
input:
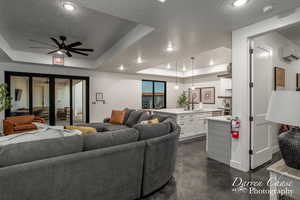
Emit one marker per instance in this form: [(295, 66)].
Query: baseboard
[(236, 165), (275, 149)]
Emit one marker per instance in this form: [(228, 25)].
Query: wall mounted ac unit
[(290, 53)]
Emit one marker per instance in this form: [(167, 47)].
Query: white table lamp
[(284, 108)]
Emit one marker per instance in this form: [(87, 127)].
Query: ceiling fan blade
[(40, 48), (81, 49), (55, 41), (85, 54), (75, 44), (44, 43), (68, 54), (54, 51)]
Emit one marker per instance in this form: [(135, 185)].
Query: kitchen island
[(218, 140), (193, 123)]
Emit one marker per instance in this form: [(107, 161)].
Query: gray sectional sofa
[(119, 162)]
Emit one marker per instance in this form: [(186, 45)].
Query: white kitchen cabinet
[(192, 123)]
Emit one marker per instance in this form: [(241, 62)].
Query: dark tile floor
[(199, 178)]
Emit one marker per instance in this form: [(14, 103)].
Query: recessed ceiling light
[(139, 60), (121, 68), (268, 8), (161, 1), (170, 47), (239, 3), (168, 66), (59, 52), (69, 6)]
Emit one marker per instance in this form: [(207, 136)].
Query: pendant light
[(193, 87), (176, 87)]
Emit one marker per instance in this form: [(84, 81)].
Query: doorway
[(274, 65), (58, 99), (260, 92)]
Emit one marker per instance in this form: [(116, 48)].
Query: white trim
[(236, 165), (275, 149)]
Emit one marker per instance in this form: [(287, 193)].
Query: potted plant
[(5, 100), (183, 101)]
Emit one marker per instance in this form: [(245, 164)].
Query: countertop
[(178, 111), (225, 118)]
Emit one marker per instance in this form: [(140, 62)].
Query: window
[(153, 94)]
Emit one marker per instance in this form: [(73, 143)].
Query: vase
[(289, 144)]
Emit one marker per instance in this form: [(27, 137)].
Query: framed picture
[(279, 78), (208, 95), (298, 82), (194, 96), (99, 96)]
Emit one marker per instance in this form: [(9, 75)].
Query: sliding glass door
[(40, 97), (62, 101), (19, 91), (79, 101), (58, 99)]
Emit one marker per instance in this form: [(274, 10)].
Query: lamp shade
[(284, 108)]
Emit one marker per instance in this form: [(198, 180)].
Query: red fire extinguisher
[(235, 128)]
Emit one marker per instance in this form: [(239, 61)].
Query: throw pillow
[(160, 118), (151, 121), (133, 118), (127, 114), (145, 116), (117, 117), (82, 129)]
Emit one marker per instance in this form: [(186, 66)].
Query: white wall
[(209, 81), (240, 84), (120, 90), (275, 41)]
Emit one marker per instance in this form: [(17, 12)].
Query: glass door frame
[(52, 77)]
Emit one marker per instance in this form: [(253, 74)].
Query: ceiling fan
[(61, 47)]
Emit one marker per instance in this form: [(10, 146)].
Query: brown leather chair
[(20, 124)]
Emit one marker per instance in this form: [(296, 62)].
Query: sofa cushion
[(147, 131), (133, 118), (113, 127), (117, 117), (25, 127), (37, 145), (172, 123), (127, 113), (112, 138), (145, 116)]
